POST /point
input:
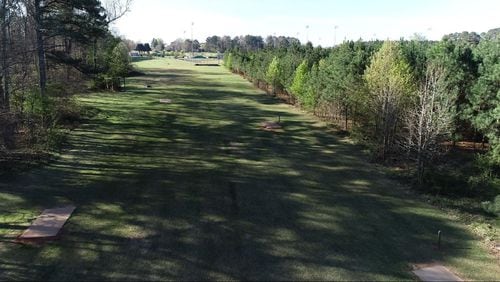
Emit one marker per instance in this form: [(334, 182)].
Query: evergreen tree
[(415, 53), (228, 60), (140, 48), (483, 109), (272, 73), (119, 61), (299, 81), (313, 87), (460, 75), (343, 77)]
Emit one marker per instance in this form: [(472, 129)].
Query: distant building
[(134, 54)]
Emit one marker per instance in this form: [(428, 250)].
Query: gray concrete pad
[(165, 101), (271, 125), (48, 224), (436, 273)]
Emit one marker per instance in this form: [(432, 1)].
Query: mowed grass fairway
[(196, 190)]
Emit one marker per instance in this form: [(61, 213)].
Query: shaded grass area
[(448, 186), (196, 190)]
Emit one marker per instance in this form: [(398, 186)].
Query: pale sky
[(367, 19)]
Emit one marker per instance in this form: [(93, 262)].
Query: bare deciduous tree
[(115, 9), (4, 73), (40, 45), (430, 121)]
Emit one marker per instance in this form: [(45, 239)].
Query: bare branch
[(430, 121), (115, 9)]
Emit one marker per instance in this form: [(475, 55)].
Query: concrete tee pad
[(165, 101), (436, 273), (48, 224), (270, 125)]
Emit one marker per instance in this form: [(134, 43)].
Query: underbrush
[(36, 127), (462, 184), (462, 174)]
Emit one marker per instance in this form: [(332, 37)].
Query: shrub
[(492, 207), (486, 171), (228, 61)]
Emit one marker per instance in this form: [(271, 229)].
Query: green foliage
[(372, 85), (290, 59), (120, 61), (300, 79), (484, 172), (483, 109), (81, 22), (415, 53), (492, 207), (308, 99), (228, 61), (391, 85), (389, 72), (44, 116), (254, 63), (273, 72), (456, 56), (342, 77), (310, 185), (37, 105)]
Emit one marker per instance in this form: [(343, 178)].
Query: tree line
[(49, 48), (404, 99), (214, 44)]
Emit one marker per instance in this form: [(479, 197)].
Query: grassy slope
[(195, 190)]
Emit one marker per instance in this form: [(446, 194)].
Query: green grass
[(195, 190)]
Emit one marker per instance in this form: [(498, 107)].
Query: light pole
[(182, 45), (335, 35), (192, 41), (307, 34)]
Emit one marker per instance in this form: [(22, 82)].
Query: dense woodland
[(409, 101), (50, 49)]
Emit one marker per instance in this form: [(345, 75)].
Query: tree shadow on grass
[(172, 194)]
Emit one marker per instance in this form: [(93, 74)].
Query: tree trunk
[(474, 140), (94, 56), (346, 117), (42, 63), (4, 78), (420, 168)]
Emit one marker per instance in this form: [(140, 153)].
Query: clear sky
[(367, 19)]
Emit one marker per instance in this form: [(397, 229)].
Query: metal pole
[(183, 41), (192, 41), (307, 34), (439, 240), (335, 35)]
